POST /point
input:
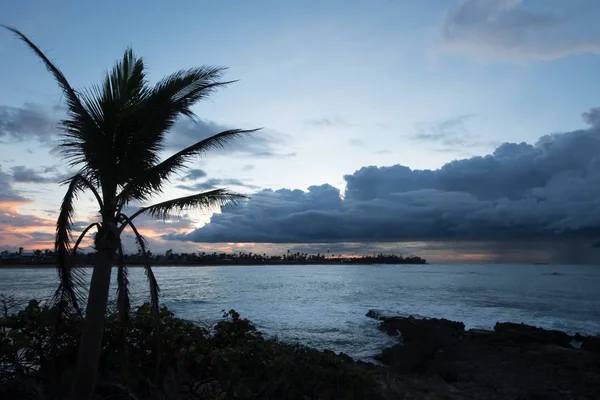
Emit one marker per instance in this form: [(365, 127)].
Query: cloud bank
[(545, 191), (510, 30)]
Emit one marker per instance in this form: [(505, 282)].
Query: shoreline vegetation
[(169, 258), (434, 359)]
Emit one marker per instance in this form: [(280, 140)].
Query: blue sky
[(337, 85)]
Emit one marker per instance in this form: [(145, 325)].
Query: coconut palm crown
[(114, 136)]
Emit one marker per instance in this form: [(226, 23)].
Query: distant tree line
[(36, 257)]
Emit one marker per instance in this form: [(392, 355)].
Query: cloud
[(248, 167), (18, 229), (592, 117), (546, 191), (449, 133), (260, 144), (194, 174), (385, 151), (273, 209), (29, 121), (7, 193), (152, 229), (214, 183), (21, 173), (33, 121), (271, 154), (334, 122), (509, 30), (147, 222)]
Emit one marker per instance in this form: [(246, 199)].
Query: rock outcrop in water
[(439, 359)]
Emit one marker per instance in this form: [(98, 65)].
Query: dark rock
[(526, 334), (480, 332), (384, 315), (421, 338), (514, 361), (412, 327), (591, 344), (518, 370), (378, 314)]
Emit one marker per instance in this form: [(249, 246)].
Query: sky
[(457, 130)]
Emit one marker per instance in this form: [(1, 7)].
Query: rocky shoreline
[(439, 359)]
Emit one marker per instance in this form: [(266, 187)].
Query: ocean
[(325, 306)]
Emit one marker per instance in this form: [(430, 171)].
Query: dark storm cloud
[(214, 183), (547, 190), (23, 174), (194, 174), (514, 30), (261, 144), (29, 121)]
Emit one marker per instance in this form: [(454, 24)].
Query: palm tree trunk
[(91, 339)]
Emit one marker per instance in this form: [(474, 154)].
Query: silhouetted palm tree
[(114, 135)]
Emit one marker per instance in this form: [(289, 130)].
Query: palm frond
[(171, 98), (85, 182), (111, 152), (80, 238), (123, 296), (71, 95), (163, 104), (153, 284), (186, 87), (126, 82), (153, 180), (79, 124), (69, 293), (122, 97), (205, 201)]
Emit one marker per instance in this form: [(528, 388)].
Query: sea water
[(324, 306)]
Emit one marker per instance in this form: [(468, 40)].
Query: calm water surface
[(325, 306)]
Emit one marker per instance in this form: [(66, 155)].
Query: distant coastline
[(47, 259)]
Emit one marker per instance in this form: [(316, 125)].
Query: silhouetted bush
[(182, 361)]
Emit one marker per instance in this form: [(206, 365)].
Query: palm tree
[(114, 134)]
